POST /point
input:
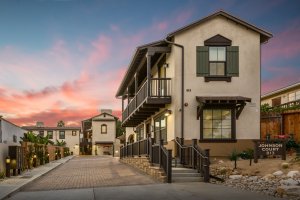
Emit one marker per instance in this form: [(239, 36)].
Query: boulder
[(268, 177), (293, 174), (278, 173), (235, 176)]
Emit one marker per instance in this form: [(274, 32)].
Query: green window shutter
[(202, 61), (232, 64)]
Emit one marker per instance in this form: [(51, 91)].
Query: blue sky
[(64, 59)]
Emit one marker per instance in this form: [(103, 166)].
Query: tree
[(120, 130), (60, 123)]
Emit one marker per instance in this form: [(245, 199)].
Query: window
[(217, 124), (73, 133), (103, 129), (298, 95), (61, 134), (41, 133), (292, 96), (50, 134), (217, 60), (140, 133), (160, 129), (14, 138)]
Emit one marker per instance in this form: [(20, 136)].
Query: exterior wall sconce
[(168, 112), (34, 156), (7, 162), (165, 65)]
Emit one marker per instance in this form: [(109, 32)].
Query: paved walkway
[(15, 183), (90, 172), (174, 191)]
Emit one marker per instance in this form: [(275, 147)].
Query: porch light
[(168, 112), (7, 160), (48, 154), (34, 156), (165, 65)]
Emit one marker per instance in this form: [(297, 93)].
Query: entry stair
[(182, 174)]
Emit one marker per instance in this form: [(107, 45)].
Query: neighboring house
[(283, 95), (285, 122), (10, 135), (68, 134), (200, 82), (99, 134)]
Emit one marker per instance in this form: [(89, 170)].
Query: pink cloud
[(283, 44), (100, 50)]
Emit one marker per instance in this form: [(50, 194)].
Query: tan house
[(99, 134), (283, 95), (68, 134), (200, 82)]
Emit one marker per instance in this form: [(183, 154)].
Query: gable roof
[(280, 90), (116, 118), (265, 36)]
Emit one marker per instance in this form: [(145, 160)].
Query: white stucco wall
[(247, 84)]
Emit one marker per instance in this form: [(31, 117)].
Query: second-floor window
[(73, 133), (41, 133), (61, 134), (103, 129), (217, 61), (294, 96), (50, 134)]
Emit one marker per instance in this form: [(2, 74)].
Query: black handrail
[(192, 156), (157, 153)]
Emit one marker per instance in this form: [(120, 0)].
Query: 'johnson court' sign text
[(269, 148)]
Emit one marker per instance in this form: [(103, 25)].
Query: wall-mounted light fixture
[(165, 65), (7, 162), (168, 112)]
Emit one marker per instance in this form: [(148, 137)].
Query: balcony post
[(136, 88), (149, 55), (122, 104), (127, 101)]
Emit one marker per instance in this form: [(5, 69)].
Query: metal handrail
[(184, 147)]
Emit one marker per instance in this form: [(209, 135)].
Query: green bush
[(247, 154), (2, 175), (291, 144)]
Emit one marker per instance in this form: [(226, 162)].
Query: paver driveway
[(89, 172)]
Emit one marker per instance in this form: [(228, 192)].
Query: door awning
[(238, 102)]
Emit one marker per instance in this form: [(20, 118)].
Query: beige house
[(10, 135), (68, 134), (99, 134), (200, 82), (283, 95)]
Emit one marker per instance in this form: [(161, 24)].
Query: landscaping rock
[(235, 177), (293, 174), (278, 173), (289, 181), (268, 177)]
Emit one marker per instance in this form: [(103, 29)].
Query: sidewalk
[(15, 183)]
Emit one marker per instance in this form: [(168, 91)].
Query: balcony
[(145, 103)]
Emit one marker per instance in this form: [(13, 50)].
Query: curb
[(18, 188)]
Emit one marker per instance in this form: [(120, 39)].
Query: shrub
[(2, 175)]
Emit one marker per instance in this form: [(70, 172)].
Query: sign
[(269, 148)]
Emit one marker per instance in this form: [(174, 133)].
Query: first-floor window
[(160, 129), (217, 123), (50, 134), (61, 134), (41, 133)]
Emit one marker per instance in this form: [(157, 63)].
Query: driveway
[(89, 172)]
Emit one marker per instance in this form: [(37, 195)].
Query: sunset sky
[(64, 59)]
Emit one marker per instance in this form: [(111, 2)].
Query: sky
[(64, 59)]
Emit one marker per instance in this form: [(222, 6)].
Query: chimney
[(40, 124), (109, 111)]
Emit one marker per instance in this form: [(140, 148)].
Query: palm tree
[(60, 123)]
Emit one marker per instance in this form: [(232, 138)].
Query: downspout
[(182, 83)]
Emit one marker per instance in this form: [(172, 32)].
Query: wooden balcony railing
[(159, 88)]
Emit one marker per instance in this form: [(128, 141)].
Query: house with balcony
[(200, 83), (282, 120), (69, 134), (99, 134)]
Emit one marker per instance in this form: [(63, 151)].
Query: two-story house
[(200, 82), (283, 95), (99, 134), (10, 135), (69, 134)]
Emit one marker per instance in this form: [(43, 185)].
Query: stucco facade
[(100, 134), (68, 134), (10, 135), (236, 98)]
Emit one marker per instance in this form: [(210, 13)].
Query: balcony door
[(160, 129)]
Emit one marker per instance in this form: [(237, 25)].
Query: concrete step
[(186, 175), (187, 179), (183, 170)]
